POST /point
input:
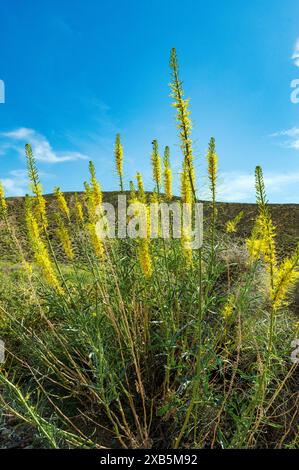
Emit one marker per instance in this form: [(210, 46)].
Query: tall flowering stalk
[(79, 214), (262, 241), (64, 238), (156, 165), (94, 202), (36, 187), (167, 175), (262, 244), (185, 126), (132, 196), (62, 231), (96, 241), (96, 196), (118, 154), (3, 205), (140, 188), (232, 225), (212, 159), (61, 201), (286, 277), (186, 190), (187, 199), (188, 186), (39, 248), (145, 257), (184, 122), (143, 247)]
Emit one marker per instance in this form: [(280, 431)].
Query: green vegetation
[(147, 343)]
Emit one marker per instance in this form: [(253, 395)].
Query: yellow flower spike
[(228, 308), (3, 205), (184, 122), (36, 187), (144, 257), (40, 208), (231, 225), (118, 153), (62, 204), (255, 248), (156, 164), (39, 249), (140, 193), (95, 195), (286, 277), (96, 242), (154, 197), (132, 196), (212, 166), (31, 223), (265, 226), (186, 190), (64, 238), (187, 251), (78, 209), (43, 260), (167, 175), (262, 241)]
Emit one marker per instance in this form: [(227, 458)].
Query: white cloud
[(16, 183), (295, 56), (41, 147), (293, 132), (294, 144), (240, 187), (19, 134), (293, 137)]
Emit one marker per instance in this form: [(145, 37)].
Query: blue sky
[(77, 72)]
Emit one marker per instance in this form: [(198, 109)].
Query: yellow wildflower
[(212, 167), (156, 164), (36, 187), (144, 257), (118, 153), (96, 242), (231, 225), (141, 193), (3, 205), (64, 238), (40, 251), (183, 120), (78, 209), (228, 308), (167, 175), (62, 204), (95, 192), (285, 279)]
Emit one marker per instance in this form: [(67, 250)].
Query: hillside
[(285, 218)]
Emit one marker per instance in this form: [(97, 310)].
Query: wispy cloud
[(16, 183), (42, 148), (291, 135), (295, 56), (240, 187)]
